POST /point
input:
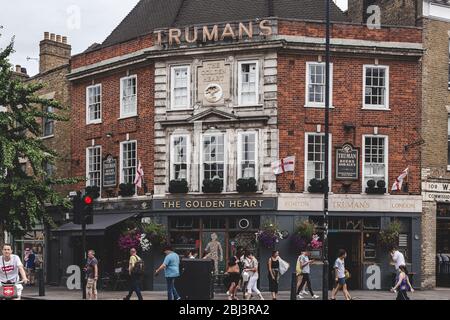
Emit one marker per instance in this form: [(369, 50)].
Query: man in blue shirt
[(171, 267)]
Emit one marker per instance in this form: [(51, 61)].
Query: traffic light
[(77, 209), (88, 208)]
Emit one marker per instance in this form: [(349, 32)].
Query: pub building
[(208, 96)]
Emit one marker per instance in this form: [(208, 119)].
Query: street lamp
[(327, 147)]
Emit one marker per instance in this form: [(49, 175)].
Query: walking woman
[(403, 284), (234, 275), (251, 267), (305, 266), (274, 273)]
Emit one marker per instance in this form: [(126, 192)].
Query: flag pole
[(327, 147)]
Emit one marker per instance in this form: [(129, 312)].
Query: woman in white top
[(251, 267)]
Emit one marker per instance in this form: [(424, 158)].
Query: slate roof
[(149, 15)]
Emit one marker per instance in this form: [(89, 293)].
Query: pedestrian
[(305, 263), (274, 273), (251, 267), (234, 276), (10, 268), (403, 284), (30, 265), (340, 276), (135, 271), (171, 267), (298, 273), (244, 274), (91, 270)]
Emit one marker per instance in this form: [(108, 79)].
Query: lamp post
[(327, 147)]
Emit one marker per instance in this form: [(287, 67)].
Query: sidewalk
[(55, 293)]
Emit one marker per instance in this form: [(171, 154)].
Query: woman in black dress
[(274, 273)]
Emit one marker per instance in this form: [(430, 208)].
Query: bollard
[(41, 282), (294, 286)]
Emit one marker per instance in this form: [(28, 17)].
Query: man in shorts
[(91, 270), (339, 268)]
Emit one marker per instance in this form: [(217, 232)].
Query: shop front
[(358, 230)]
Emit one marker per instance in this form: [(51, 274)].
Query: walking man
[(30, 266), (171, 267), (339, 268), (398, 258), (135, 270), (305, 263), (91, 270)]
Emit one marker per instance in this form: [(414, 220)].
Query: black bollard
[(41, 282), (294, 286)]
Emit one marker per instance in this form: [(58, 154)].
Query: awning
[(101, 223)]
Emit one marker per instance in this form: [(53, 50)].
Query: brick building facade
[(434, 18), (226, 108)]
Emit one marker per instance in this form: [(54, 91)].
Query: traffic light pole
[(327, 147)]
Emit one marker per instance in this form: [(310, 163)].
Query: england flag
[(139, 176), (399, 181), (283, 165)]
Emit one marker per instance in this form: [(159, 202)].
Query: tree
[(25, 194)]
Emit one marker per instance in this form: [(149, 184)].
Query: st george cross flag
[(399, 181), (283, 165), (139, 176)]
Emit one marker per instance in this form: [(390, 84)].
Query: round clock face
[(213, 93)]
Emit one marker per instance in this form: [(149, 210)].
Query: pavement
[(58, 293)]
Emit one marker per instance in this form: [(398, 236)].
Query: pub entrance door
[(350, 242)]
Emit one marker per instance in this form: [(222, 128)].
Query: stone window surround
[(240, 136), (239, 83), (172, 87), (188, 155), (225, 158)]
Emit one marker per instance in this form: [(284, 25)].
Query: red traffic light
[(87, 200)]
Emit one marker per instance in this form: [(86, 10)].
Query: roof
[(149, 15)]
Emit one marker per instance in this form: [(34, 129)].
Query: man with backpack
[(171, 267), (136, 270)]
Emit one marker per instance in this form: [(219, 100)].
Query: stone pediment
[(213, 115)]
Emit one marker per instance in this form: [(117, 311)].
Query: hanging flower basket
[(306, 238), (269, 235), (390, 236), (130, 240)]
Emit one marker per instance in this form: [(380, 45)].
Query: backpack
[(138, 268)]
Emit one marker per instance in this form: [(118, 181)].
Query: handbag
[(284, 266), (9, 290), (347, 274), (298, 268)]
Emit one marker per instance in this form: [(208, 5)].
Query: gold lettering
[(261, 203), (174, 34), (221, 204), (195, 204), (187, 35), (213, 36), (159, 38), (246, 204), (208, 204), (188, 204), (228, 32), (232, 204), (178, 204), (253, 203), (248, 31), (265, 28), (164, 204), (171, 204)]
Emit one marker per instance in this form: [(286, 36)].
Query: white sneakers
[(299, 296), (303, 292), (315, 296)]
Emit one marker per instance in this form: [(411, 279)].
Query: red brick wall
[(131, 46), (140, 128), (349, 31), (401, 124)]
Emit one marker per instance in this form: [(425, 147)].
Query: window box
[(93, 191), (246, 185), (316, 186), (380, 187), (178, 186), (212, 186), (127, 189)]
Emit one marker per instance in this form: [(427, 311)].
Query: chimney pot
[(52, 37), (64, 39), (58, 38), (24, 70), (46, 35), (18, 68)]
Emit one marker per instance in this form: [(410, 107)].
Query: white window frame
[(172, 88), (308, 103), (330, 144), (225, 158), (386, 159), (88, 163), (121, 159), (257, 84), (386, 98), (240, 141), (124, 115), (52, 134), (188, 155), (88, 106)]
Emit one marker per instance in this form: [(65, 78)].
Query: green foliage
[(305, 229), (390, 236), (155, 232), (127, 189), (25, 194)]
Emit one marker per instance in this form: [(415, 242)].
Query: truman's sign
[(214, 33), (217, 204), (347, 163)]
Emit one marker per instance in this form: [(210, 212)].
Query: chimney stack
[(54, 52), (18, 68)]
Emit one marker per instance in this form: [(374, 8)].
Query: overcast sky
[(82, 21)]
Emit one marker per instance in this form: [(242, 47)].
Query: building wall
[(393, 12), (402, 129), (139, 128)]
